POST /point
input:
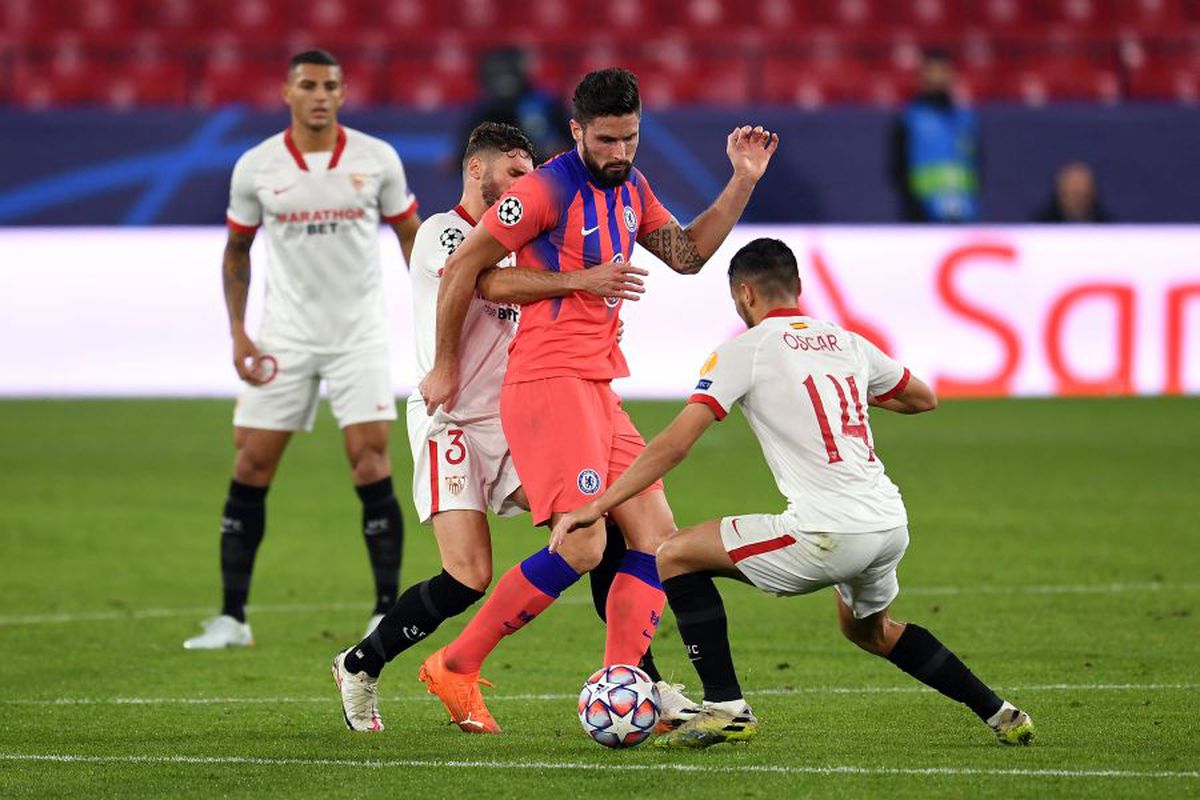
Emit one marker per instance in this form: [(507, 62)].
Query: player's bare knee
[(370, 464), (253, 467), (870, 635), (585, 552), (669, 556), (476, 574)]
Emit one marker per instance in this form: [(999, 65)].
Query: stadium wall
[(989, 311), (93, 167)]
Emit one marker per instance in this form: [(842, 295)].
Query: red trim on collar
[(338, 148), (298, 157), (462, 212), (784, 312)]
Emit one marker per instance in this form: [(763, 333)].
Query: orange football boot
[(459, 694)]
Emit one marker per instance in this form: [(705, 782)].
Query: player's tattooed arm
[(235, 274), (686, 250), (521, 286), (675, 247)]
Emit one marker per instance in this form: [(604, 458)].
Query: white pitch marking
[(67, 617), (161, 613), (590, 767), (768, 692)]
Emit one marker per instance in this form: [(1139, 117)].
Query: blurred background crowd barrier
[(993, 113)]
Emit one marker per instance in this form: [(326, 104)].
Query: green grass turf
[(1023, 516)]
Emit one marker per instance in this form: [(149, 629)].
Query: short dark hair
[(498, 136), (769, 264), (611, 92), (321, 57)]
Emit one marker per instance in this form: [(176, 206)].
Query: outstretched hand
[(579, 518), (750, 150)]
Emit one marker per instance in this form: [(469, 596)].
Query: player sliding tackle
[(800, 383), (567, 432)]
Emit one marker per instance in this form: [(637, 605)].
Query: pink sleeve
[(654, 213), (524, 212)]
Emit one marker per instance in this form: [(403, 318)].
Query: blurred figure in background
[(1075, 197), (935, 150), (511, 98)]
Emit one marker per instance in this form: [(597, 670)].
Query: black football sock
[(383, 530), (243, 523), (601, 579), (919, 653), (700, 615), (418, 613)]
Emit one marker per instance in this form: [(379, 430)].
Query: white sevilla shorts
[(779, 558), (358, 382), (460, 467)]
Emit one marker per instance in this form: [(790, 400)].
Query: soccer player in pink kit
[(567, 432), (803, 385)]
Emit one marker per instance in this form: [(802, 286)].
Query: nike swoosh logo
[(284, 189), (587, 231)]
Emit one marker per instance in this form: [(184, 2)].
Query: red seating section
[(424, 53)]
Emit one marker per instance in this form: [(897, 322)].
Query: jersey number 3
[(857, 430)]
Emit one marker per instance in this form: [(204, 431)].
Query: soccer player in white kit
[(461, 464), (804, 386), (320, 191)]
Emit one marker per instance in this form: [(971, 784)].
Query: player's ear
[(576, 131), (475, 167)]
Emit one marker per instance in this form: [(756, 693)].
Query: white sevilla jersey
[(803, 385), (488, 329), (321, 212)]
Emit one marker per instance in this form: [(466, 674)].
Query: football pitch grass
[(1054, 547)]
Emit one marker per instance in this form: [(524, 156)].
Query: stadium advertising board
[(1029, 311)]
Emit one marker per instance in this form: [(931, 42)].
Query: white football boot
[(360, 696), (221, 632), (372, 624), (1011, 725), (713, 725), (675, 709)]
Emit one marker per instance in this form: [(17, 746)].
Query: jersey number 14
[(856, 430)]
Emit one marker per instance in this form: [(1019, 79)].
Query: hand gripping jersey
[(321, 212), (556, 219), (803, 385), (488, 329)]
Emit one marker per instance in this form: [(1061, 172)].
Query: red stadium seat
[(1054, 78), (69, 74), (1003, 16), (1144, 17), (169, 16), (324, 17), (97, 17), (941, 20), (1084, 16), (26, 20), (403, 18), (855, 17), (812, 82)]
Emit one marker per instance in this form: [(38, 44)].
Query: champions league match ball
[(619, 706)]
